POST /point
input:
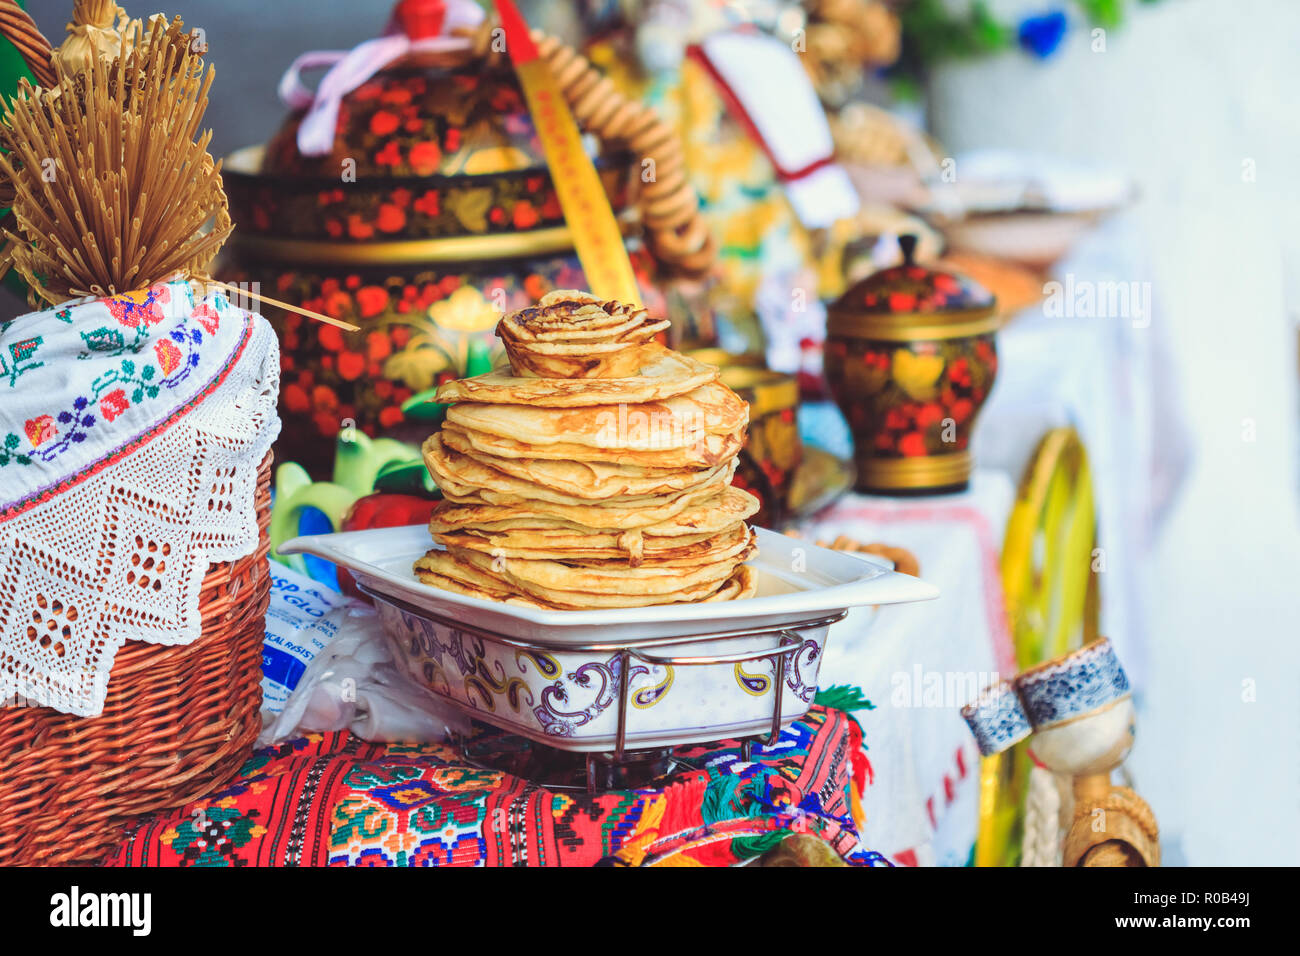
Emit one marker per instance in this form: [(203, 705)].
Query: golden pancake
[(682, 421), (589, 325), (569, 315), (740, 585), (484, 591), (473, 495), (708, 516), (472, 492), (588, 546), (663, 374), (596, 516), (447, 565), (574, 362), (727, 590), (713, 450), (554, 576), (574, 335), (702, 548), (561, 481), (473, 583)]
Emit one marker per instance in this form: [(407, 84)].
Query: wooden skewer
[(337, 323)]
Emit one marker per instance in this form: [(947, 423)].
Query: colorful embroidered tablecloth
[(336, 800)]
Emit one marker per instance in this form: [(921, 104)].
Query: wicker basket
[(178, 723)]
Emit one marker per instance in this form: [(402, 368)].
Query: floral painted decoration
[(402, 123), (911, 356), (408, 207), (906, 400), (417, 155), (81, 385), (913, 288)]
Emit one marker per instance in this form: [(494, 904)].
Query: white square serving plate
[(797, 582)]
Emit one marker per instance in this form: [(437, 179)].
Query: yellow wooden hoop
[(1050, 581)]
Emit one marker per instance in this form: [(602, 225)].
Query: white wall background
[(1186, 93)]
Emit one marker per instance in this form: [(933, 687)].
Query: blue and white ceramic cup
[(1073, 685), (1081, 708), (997, 718)]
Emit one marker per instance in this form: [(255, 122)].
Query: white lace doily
[(131, 430)]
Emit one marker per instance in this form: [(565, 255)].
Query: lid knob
[(421, 19), (907, 243)]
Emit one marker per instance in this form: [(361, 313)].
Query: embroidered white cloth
[(131, 430), (920, 663)]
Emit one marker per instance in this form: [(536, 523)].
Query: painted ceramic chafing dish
[(628, 678)]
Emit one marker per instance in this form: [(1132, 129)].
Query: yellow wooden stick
[(239, 290), (596, 235)]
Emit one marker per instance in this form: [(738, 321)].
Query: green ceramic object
[(406, 477), (361, 465), (422, 407), (294, 493), (358, 459)]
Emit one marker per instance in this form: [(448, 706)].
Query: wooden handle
[(1112, 826), (17, 26)]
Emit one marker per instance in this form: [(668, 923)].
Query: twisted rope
[(17, 26), (1042, 840)]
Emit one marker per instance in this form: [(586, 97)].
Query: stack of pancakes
[(594, 473)]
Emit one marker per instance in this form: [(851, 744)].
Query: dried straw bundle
[(112, 189), (96, 30)]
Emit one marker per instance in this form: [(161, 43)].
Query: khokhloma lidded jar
[(911, 356)]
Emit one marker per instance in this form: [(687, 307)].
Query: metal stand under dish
[(657, 761)]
